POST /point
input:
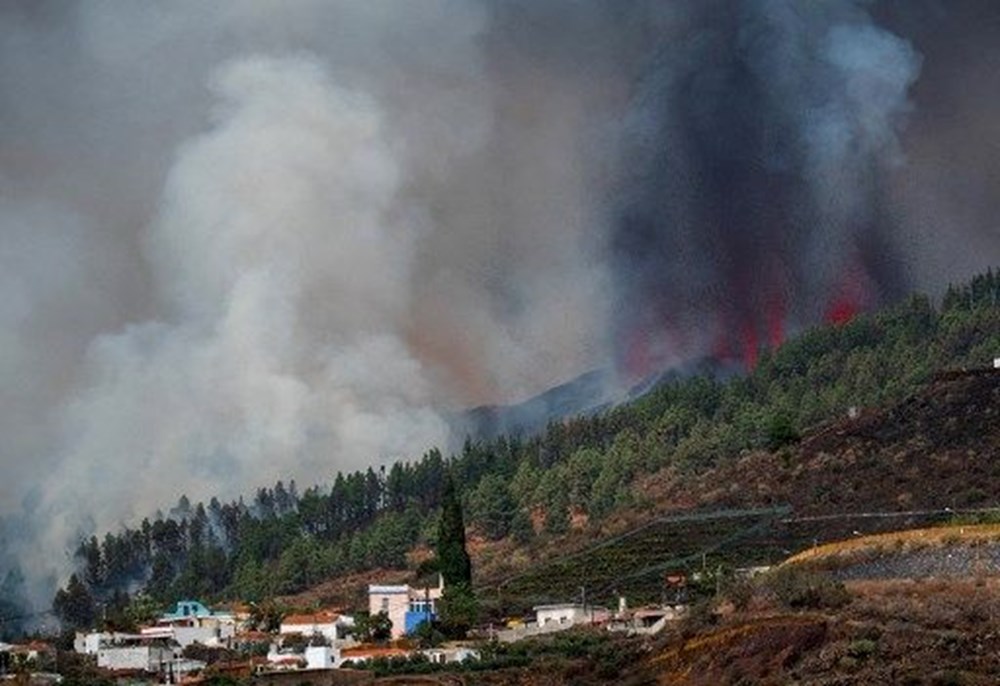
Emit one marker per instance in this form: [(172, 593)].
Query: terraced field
[(636, 563)]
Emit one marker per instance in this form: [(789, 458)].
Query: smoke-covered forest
[(282, 540)]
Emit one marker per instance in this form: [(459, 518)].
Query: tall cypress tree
[(453, 559)]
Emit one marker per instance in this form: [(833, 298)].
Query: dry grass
[(758, 650), (963, 605), (897, 540), (893, 631)]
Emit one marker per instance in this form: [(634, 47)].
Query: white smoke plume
[(277, 218)]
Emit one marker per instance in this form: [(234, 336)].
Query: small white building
[(146, 657), (206, 632), (564, 614), (90, 642), (332, 626), (320, 657)]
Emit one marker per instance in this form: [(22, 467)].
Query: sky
[(244, 241)]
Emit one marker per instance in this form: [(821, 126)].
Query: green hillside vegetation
[(532, 490)]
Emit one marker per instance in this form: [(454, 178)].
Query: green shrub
[(798, 588), (862, 649), (699, 617), (781, 431), (739, 591)]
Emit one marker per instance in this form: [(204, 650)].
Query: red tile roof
[(288, 660), (252, 636), (372, 651), (322, 617)]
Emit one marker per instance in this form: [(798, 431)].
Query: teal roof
[(186, 609)]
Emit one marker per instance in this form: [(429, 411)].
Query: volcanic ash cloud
[(754, 200)]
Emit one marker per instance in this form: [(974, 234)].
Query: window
[(421, 606), (385, 605)]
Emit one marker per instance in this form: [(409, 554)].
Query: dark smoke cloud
[(754, 190), (246, 240)]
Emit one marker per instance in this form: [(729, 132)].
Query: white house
[(332, 626), (89, 643), (568, 614), (144, 657), (320, 657), (136, 652)]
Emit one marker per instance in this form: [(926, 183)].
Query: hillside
[(914, 463), (887, 632), (937, 448), (779, 437)]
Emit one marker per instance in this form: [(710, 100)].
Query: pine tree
[(493, 506), (521, 527), (75, 605)]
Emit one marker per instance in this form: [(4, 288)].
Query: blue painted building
[(406, 607), (418, 612)]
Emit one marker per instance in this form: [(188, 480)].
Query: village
[(193, 643)]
